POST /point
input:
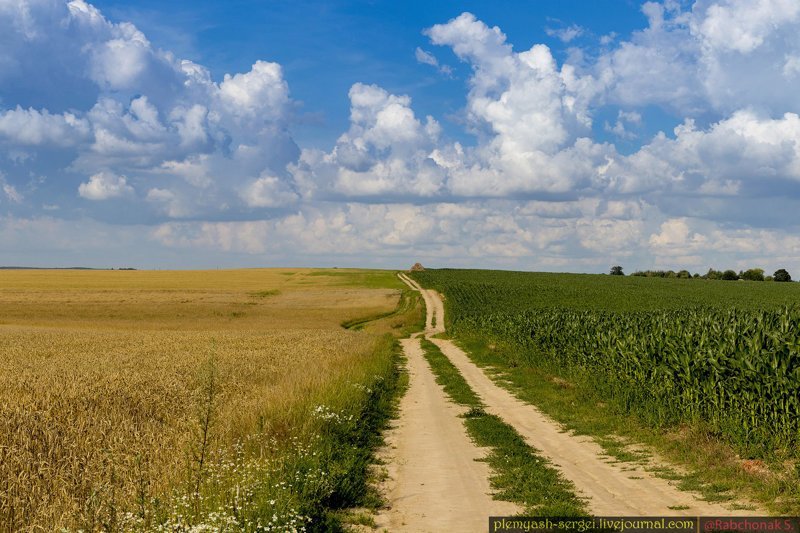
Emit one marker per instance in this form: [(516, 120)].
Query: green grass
[(520, 475), (409, 311), (371, 500), (448, 376), (371, 279)]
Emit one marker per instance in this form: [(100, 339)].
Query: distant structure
[(417, 267)]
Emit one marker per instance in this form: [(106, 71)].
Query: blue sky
[(542, 135), (337, 44)]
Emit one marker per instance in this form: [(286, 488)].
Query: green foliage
[(753, 274), (726, 355), (683, 274), (616, 271), (730, 275), (520, 474), (781, 275)]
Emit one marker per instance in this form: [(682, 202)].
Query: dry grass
[(104, 378)]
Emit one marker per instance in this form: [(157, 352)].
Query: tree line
[(752, 274)]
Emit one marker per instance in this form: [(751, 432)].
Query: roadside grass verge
[(703, 462), (520, 474), (373, 500)]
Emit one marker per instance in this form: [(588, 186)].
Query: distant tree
[(617, 271), (753, 274), (730, 275), (684, 274), (768, 278), (713, 274), (696, 275), (781, 275)]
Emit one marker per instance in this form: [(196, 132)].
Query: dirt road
[(436, 482), (611, 489)]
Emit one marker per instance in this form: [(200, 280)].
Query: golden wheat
[(101, 377)]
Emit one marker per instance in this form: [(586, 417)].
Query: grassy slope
[(713, 467)]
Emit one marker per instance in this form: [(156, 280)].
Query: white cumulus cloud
[(529, 183), (105, 185)]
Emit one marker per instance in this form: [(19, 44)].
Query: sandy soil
[(610, 489)]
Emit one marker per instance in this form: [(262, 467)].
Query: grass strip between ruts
[(521, 475)]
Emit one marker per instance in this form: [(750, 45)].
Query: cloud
[(124, 107), (32, 127), (384, 154), (104, 186), (724, 55), (624, 120), (746, 152), (567, 34), (608, 38), (426, 58), (268, 191), (10, 191), (207, 165), (530, 115), (743, 27), (696, 242), (674, 235)]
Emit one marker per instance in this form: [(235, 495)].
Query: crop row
[(736, 371)]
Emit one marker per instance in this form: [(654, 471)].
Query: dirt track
[(610, 488), (435, 481)]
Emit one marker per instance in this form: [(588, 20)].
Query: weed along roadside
[(205, 400)]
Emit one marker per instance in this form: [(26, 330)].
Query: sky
[(542, 135)]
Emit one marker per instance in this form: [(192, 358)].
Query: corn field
[(736, 370)]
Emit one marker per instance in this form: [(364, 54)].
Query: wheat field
[(125, 395)]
